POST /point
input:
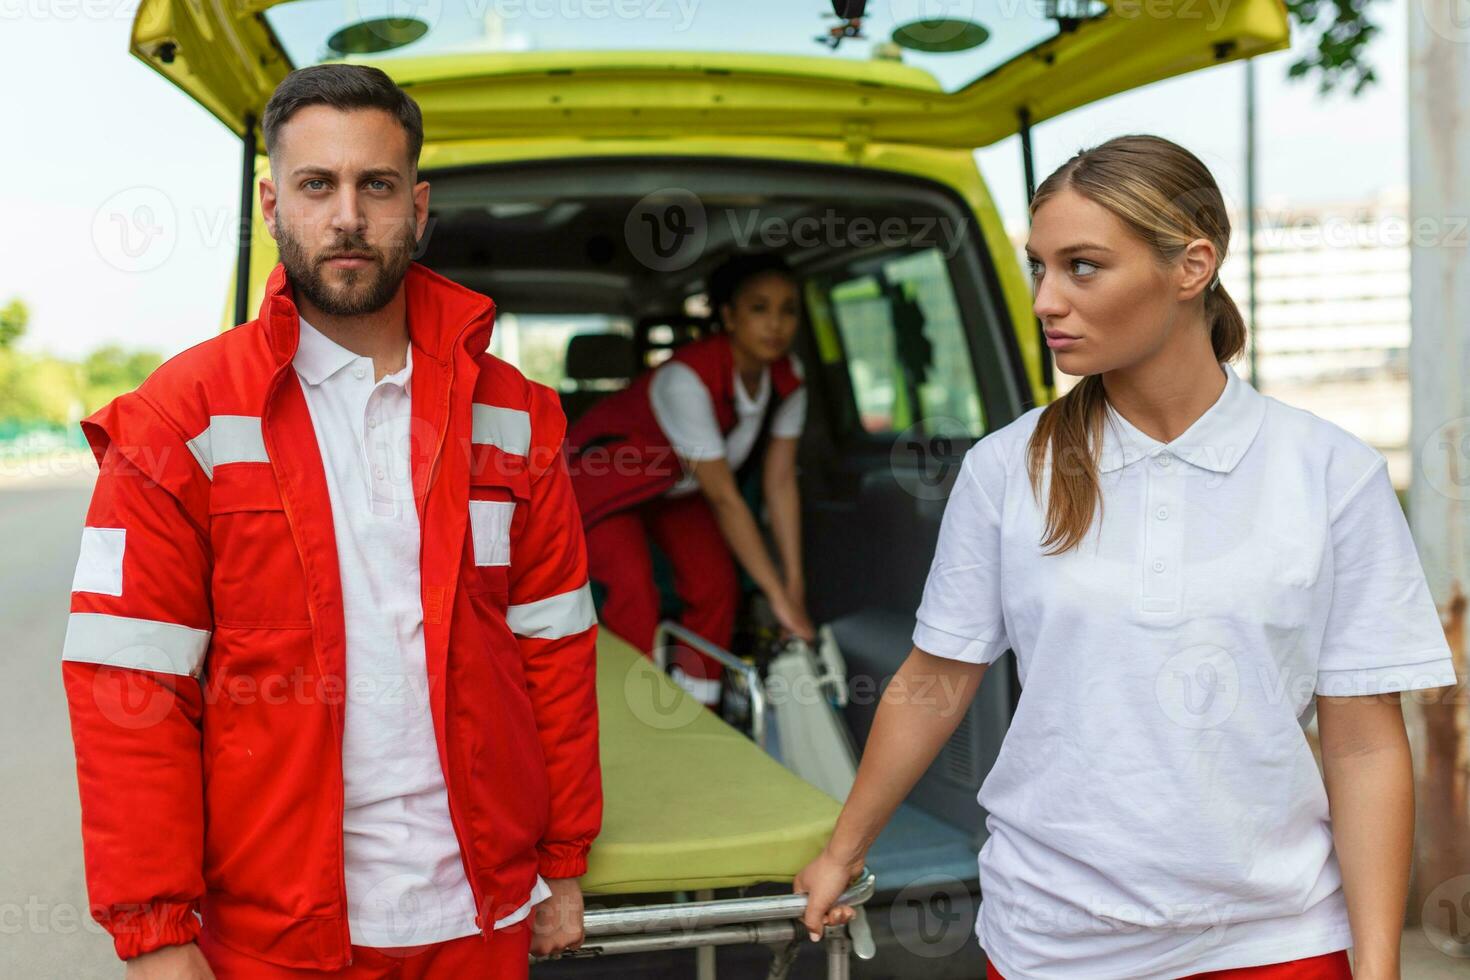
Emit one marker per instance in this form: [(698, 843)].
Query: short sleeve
[(960, 614), (790, 415), (682, 406), (1383, 631)]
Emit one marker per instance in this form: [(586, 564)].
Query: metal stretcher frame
[(706, 923), (703, 925)]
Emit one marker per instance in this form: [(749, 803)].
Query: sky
[(92, 133)]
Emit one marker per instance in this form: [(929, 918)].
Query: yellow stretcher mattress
[(688, 801)]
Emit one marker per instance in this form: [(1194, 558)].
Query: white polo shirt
[(405, 880), (685, 412), (1155, 810)]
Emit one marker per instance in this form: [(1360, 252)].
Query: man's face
[(343, 208)]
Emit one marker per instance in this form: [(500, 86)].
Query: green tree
[(1342, 31), (111, 370), (13, 318)]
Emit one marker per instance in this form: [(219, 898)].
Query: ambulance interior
[(909, 358)]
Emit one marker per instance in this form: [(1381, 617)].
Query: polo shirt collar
[(1216, 441), (318, 357)]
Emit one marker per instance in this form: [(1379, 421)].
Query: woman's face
[(1100, 291), (762, 317)]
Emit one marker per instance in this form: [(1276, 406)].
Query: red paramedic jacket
[(204, 661), (620, 456)]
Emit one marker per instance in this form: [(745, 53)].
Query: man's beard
[(362, 291)]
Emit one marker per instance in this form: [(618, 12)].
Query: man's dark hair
[(343, 87)]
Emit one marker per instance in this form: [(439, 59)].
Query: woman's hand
[(823, 881), (792, 616), (556, 923)]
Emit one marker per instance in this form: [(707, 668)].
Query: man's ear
[(420, 209), (268, 204)]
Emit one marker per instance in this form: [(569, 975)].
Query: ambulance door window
[(904, 346)]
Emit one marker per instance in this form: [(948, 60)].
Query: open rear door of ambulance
[(666, 69)]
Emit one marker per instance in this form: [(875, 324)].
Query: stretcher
[(691, 805)]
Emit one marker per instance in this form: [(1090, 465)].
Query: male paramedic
[(330, 660)]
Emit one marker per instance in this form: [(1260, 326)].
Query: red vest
[(618, 454)]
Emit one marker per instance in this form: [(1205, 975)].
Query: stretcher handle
[(728, 660), (717, 912)]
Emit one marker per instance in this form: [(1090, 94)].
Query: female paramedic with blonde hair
[(1156, 811)]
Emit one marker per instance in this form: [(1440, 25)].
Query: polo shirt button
[(378, 472), (1163, 513), (359, 373), (1158, 566), (373, 422), (1162, 459)]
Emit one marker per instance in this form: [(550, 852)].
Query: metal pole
[(1439, 444), (247, 222), (1028, 163), (1250, 214), (704, 956), (839, 947)]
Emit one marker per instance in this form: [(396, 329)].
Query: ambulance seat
[(596, 364)]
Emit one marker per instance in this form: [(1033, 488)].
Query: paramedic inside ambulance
[(662, 460), (331, 654)]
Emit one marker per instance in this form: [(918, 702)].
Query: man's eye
[(382, 184), (314, 180)]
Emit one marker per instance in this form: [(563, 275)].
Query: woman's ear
[(1197, 266)]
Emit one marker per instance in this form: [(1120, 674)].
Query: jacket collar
[(1216, 441), (441, 313)]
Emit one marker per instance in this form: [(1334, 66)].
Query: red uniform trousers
[(1328, 966), (686, 531), (504, 957)]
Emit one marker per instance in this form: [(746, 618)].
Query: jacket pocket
[(497, 502), (258, 579)]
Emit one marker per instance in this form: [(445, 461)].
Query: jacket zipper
[(465, 857), (464, 851), (341, 781)]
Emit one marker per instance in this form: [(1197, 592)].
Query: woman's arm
[(1370, 790), (783, 503), (740, 531), (918, 712), (736, 521)]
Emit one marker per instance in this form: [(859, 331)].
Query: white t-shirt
[(406, 884), (1155, 810), (685, 412)]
